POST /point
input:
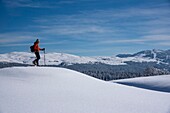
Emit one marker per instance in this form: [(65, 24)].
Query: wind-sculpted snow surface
[(58, 90), (156, 83)]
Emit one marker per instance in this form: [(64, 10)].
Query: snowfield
[(58, 90)]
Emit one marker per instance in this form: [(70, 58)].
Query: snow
[(18, 57), (154, 54), (58, 58), (158, 50), (59, 90), (138, 59), (156, 83)]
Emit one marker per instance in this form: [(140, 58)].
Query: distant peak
[(157, 50)]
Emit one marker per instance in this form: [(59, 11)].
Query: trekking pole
[(44, 58)]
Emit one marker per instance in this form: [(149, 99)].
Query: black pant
[(37, 58)]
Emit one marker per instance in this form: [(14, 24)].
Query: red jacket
[(36, 47)]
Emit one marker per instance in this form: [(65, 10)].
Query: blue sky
[(85, 27)]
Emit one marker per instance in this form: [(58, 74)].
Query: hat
[(37, 40)]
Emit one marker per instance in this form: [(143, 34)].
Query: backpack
[(32, 48)]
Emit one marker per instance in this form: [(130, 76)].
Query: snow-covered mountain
[(58, 90), (161, 56), (68, 59)]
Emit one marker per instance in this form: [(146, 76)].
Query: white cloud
[(15, 37), (157, 38), (139, 25), (40, 3), (152, 39), (14, 45), (28, 3), (163, 43), (139, 19), (75, 30)]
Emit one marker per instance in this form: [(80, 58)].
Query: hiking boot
[(34, 63)]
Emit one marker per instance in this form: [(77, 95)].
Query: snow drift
[(156, 83), (58, 90)]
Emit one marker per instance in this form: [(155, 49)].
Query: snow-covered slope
[(161, 56), (58, 58), (58, 90), (156, 83)]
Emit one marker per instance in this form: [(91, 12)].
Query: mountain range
[(143, 63)]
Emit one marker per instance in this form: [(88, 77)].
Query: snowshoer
[(36, 51)]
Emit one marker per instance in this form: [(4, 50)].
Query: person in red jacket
[(37, 54)]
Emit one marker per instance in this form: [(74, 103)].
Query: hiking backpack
[(32, 48)]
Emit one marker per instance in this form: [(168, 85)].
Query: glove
[(43, 49)]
